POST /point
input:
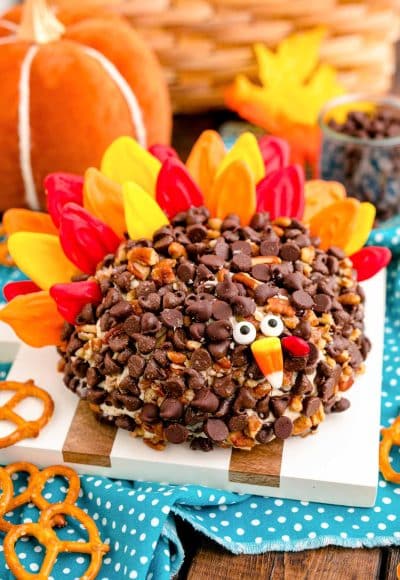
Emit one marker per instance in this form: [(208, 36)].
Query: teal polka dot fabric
[(137, 519)]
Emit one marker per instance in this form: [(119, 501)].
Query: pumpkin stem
[(38, 23)]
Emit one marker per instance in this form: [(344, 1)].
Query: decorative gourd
[(67, 93)]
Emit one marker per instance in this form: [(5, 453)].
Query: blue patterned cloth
[(137, 519)]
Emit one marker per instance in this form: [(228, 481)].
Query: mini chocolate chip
[(121, 310), (294, 364), (110, 366), (205, 400), (132, 325), (303, 385), (200, 310), (176, 433), (149, 323), (263, 406), (125, 422), (224, 408), (238, 423), (112, 297), (341, 405), (153, 372), (224, 386), (124, 356), (160, 356), (265, 435), (240, 356), (216, 429), (337, 252), (302, 300), (313, 354), (150, 302), (136, 366), (243, 306), (294, 281), (327, 389), (86, 315), (241, 263), (263, 292), (283, 427), (226, 290), (118, 341), (290, 252), (311, 405), (196, 233), (130, 402), (212, 261), (179, 339), (278, 405), (93, 377), (171, 409), (303, 329), (261, 272), (145, 344), (173, 299), (219, 349), (200, 360), (145, 288), (171, 318), (128, 384), (269, 248), (194, 379), (149, 413), (322, 303), (231, 222), (197, 330), (96, 396), (74, 344), (221, 310), (241, 247), (244, 400), (123, 280), (175, 386), (186, 272), (162, 244), (219, 330), (221, 249), (203, 274)]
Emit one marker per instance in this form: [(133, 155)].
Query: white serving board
[(339, 464)]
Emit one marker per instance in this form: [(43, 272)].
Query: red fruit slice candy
[(275, 152), (163, 152), (71, 298), (13, 289), (176, 191), (369, 261), (61, 188), (84, 238), (295, 345), (281, 193)]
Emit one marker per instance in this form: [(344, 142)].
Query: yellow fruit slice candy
[(102, 197), (245, 149), (125, 160), (234, 192), (364, 224), (143, 215), (41, 258)]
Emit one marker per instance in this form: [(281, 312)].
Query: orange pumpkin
[(67, 93)]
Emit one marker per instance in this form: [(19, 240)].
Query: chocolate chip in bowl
[(250, 334), (361, 149)]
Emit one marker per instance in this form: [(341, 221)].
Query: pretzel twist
[(46, 536), (24, 428), (390, 437)]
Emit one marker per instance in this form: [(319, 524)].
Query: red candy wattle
[(71, 298), (84, 238), (369, 261), (163, 152), (295, 345), (176, 191), (275, 153), (62, 188), (281, 193), (13, 289)]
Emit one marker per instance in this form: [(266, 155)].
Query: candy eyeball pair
[(245, 332)]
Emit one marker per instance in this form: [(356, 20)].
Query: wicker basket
[(203, 44)]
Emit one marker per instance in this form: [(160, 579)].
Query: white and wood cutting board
[(339, 464)]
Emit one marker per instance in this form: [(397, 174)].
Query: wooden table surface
[(206, 560)]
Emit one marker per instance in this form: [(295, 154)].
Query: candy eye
[(271, 325), (244, 332)]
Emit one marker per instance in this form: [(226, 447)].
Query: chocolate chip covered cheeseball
[(214, 333)]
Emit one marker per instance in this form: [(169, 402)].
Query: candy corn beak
[(268, 355)]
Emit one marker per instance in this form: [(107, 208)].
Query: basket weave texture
[(203, 44)]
